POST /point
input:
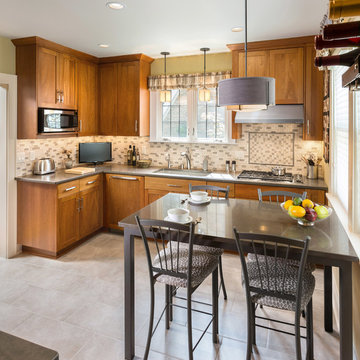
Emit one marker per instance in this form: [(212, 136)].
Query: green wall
[(7, 56), (192, 64)]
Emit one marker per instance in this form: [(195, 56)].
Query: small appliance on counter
[(44, 166)]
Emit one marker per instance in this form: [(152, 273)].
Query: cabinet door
[(68, 81), (153, 195), (124, 195), (47, 78), (87, 98), (287, 67), (128, 99), (90, 211), (107, 99), (257, 63), (314, 90), (68, 221)]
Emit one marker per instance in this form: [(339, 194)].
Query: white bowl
[(199, 195), (178, 214)]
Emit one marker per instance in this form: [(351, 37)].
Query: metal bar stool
[(278, 279), (178, 266), (214, 251)]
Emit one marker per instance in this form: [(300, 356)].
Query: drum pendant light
[(204, 93), (165, 95), (246, 93)]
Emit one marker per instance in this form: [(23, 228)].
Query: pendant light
[(165, 95), (246, 93), (204, 93)]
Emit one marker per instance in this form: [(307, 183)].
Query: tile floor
[(75, 305)]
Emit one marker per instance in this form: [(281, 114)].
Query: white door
[(8, 199)]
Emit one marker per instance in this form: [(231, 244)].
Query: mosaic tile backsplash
[(263, 144)]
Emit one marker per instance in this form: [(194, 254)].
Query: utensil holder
[(312, 171)]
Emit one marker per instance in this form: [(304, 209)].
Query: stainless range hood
[(278, 114)]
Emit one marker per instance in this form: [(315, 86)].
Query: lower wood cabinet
[(245, 191), (53, 218), (124, 195)]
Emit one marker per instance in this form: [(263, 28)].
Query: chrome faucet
[(188, 161)]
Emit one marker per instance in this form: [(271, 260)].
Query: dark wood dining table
[(329, 246)]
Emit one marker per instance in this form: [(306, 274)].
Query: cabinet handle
[(81, 203), (172, 185), (58, 99), (124, 178), (80, 122), (79, 207), (136, 126), (62, 97), (91, 182), (308, 126), (70, 188)]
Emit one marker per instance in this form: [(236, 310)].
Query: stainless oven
[(57, 121)]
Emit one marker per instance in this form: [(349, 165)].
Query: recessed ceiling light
[(103, 45), (115, 5), (237, 29)]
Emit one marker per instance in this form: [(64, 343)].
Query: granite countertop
[(60, 177)]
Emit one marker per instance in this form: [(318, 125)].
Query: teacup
[(178, 214), (199, 195)]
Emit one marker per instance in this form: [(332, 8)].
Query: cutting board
[(80, 170)]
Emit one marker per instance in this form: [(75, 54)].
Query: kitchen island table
[(329, 246)]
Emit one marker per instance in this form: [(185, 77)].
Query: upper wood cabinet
[(87, 100), (123, 87), (56, 74), (297, 81)]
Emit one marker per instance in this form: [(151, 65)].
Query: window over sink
[(187, 119)]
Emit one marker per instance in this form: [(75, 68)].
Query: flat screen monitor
[(95, 153)]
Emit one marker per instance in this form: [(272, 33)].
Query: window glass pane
[(175, 114), (341, 136), (210, 119), (357, 162)]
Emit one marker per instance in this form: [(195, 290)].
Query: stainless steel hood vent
[(278, 114)]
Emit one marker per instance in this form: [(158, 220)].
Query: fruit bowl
[(323, 212)]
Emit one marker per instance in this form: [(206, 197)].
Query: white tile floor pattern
[(75, 305)]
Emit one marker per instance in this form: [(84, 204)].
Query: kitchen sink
[(183, 172)]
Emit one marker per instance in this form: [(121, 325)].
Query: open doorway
[(8, 120)]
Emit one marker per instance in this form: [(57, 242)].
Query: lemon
[(307, 203), (297, 212), (287, 204)]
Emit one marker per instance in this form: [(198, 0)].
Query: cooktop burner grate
[(264, 175)]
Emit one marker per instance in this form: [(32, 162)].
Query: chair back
[(279, 196), (276, 259), (163, 259), (211, 190)]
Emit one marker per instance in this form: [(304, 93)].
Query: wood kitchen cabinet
[(54, 218), (124, 195), (297, 81), (87, 97), (123, 95), (56, 75)]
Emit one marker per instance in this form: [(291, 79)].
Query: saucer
[(193, 202), (188, 220)]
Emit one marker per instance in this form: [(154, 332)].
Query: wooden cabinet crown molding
[(274, 44), (38, 41), (126, 58)]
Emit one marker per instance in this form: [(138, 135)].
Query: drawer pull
[(124, 178), (91, 182), (172, 185), (70, 188)]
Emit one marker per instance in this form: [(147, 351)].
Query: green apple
[(297, 201), (322, 211)]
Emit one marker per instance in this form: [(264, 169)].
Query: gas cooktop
[(264, 175)]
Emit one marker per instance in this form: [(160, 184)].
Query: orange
[(307, 203), (297, 211), (287, 204)]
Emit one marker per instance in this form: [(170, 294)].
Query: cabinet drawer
[(68, 188), (90, 182), (170, 185), (223, 185), (245, 191)]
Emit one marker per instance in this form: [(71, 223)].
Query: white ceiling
[(152, 26)]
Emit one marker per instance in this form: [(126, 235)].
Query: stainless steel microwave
[(57, 121)]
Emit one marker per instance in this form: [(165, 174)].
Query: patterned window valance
[(187, 81)]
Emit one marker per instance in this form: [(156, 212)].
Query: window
[(356, 187), (340, 137), (186, 119)]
